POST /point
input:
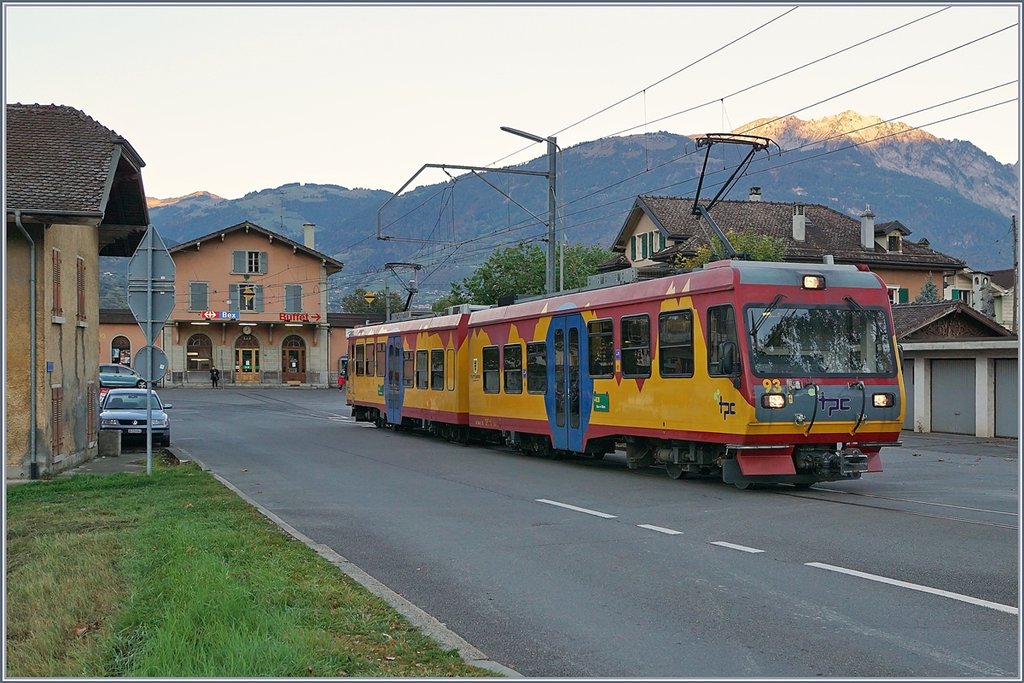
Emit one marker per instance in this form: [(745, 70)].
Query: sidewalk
[(960, 443)]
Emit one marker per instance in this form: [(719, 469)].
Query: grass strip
[(172, 575)]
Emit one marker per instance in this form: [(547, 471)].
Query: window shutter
[(904, 295), (198, 299), (80, 287), (238, 262), (956, 295), (233, 298), (293, 298), (258, 305), (263, 263), (632, 248)]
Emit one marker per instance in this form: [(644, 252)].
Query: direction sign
[(151, 363), (151, 284)]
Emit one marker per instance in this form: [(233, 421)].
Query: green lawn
[(172, 575)]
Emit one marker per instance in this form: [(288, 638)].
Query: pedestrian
[(214, 376)]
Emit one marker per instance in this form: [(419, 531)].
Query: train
[(754, 372)]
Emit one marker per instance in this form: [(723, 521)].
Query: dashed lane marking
[(603, 515), (1009, 609), (741, 548), (660, 529)]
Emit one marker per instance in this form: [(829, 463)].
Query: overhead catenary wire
[(457, 252)]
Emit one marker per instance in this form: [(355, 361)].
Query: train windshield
[(792, 340)]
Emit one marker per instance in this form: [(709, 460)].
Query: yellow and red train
[(755, 372)]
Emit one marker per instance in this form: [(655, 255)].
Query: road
[(582, 568)]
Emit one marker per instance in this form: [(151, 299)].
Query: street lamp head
[(524, 134)]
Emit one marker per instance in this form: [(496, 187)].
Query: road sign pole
[(152, 265)]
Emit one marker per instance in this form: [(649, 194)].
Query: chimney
[(755, 194), (307, 234), (799, 223), (867, 228)]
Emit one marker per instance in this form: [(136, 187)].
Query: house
[(249, 301), (1004, 300), (959, 370), (657, 230), (73, 193)]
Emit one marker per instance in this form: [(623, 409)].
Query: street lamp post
[(552, 175)]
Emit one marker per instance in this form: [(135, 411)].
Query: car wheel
[(141, 384)]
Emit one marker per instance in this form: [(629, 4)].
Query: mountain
[(948, 191)]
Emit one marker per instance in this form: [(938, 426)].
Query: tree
[(929, 293), (758, 247), (521, 270), (356, 302)]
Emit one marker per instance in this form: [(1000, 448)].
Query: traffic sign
[(151, 284), (151, 363)]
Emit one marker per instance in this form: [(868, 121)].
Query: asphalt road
[(582, 568)]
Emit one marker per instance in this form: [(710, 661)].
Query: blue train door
[(393, 380), (564, 403)]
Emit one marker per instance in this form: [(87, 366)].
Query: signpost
[(151, 298)]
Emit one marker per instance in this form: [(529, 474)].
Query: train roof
[(426, 324), (714, 276)]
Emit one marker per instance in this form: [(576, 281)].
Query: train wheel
[(675, 471), (743, 485)]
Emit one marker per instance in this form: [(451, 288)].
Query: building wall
[(17, 351), (67, 369), (983, 354), (71, 345), (212, 263)]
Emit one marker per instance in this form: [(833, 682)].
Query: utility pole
[(552, 175)]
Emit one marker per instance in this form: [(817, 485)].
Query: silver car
[(125, 410)]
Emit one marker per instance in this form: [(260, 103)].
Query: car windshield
[(130, 402), (819, 341)]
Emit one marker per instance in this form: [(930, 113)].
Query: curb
[(419, 618)]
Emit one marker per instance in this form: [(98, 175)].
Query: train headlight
[(883, 400), (814, 282), (773, 401)]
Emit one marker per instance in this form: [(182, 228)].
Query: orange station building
[(249, 301)]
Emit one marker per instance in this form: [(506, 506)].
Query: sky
[(236, 98)]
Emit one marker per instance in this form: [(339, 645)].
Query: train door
[(565, 403), (393, 380)]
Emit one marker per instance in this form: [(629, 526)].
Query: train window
[(359, 360), (421, 369), (408, 368), (514, 369), (492, 372), (451, 369), (437, 369), (636, 346), (380, 361), (537, 367), (602, 348), (371, 350), (675, 344), (721, 328)]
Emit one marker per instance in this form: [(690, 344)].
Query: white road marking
[(605, 515), (671, 532), (916, 587), (742, 548)]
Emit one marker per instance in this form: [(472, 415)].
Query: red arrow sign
[(315, 316)]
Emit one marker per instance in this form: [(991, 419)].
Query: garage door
[(908, 386), (1007, 397), (952, 396)]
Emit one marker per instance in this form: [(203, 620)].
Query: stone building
[(74, 192)]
